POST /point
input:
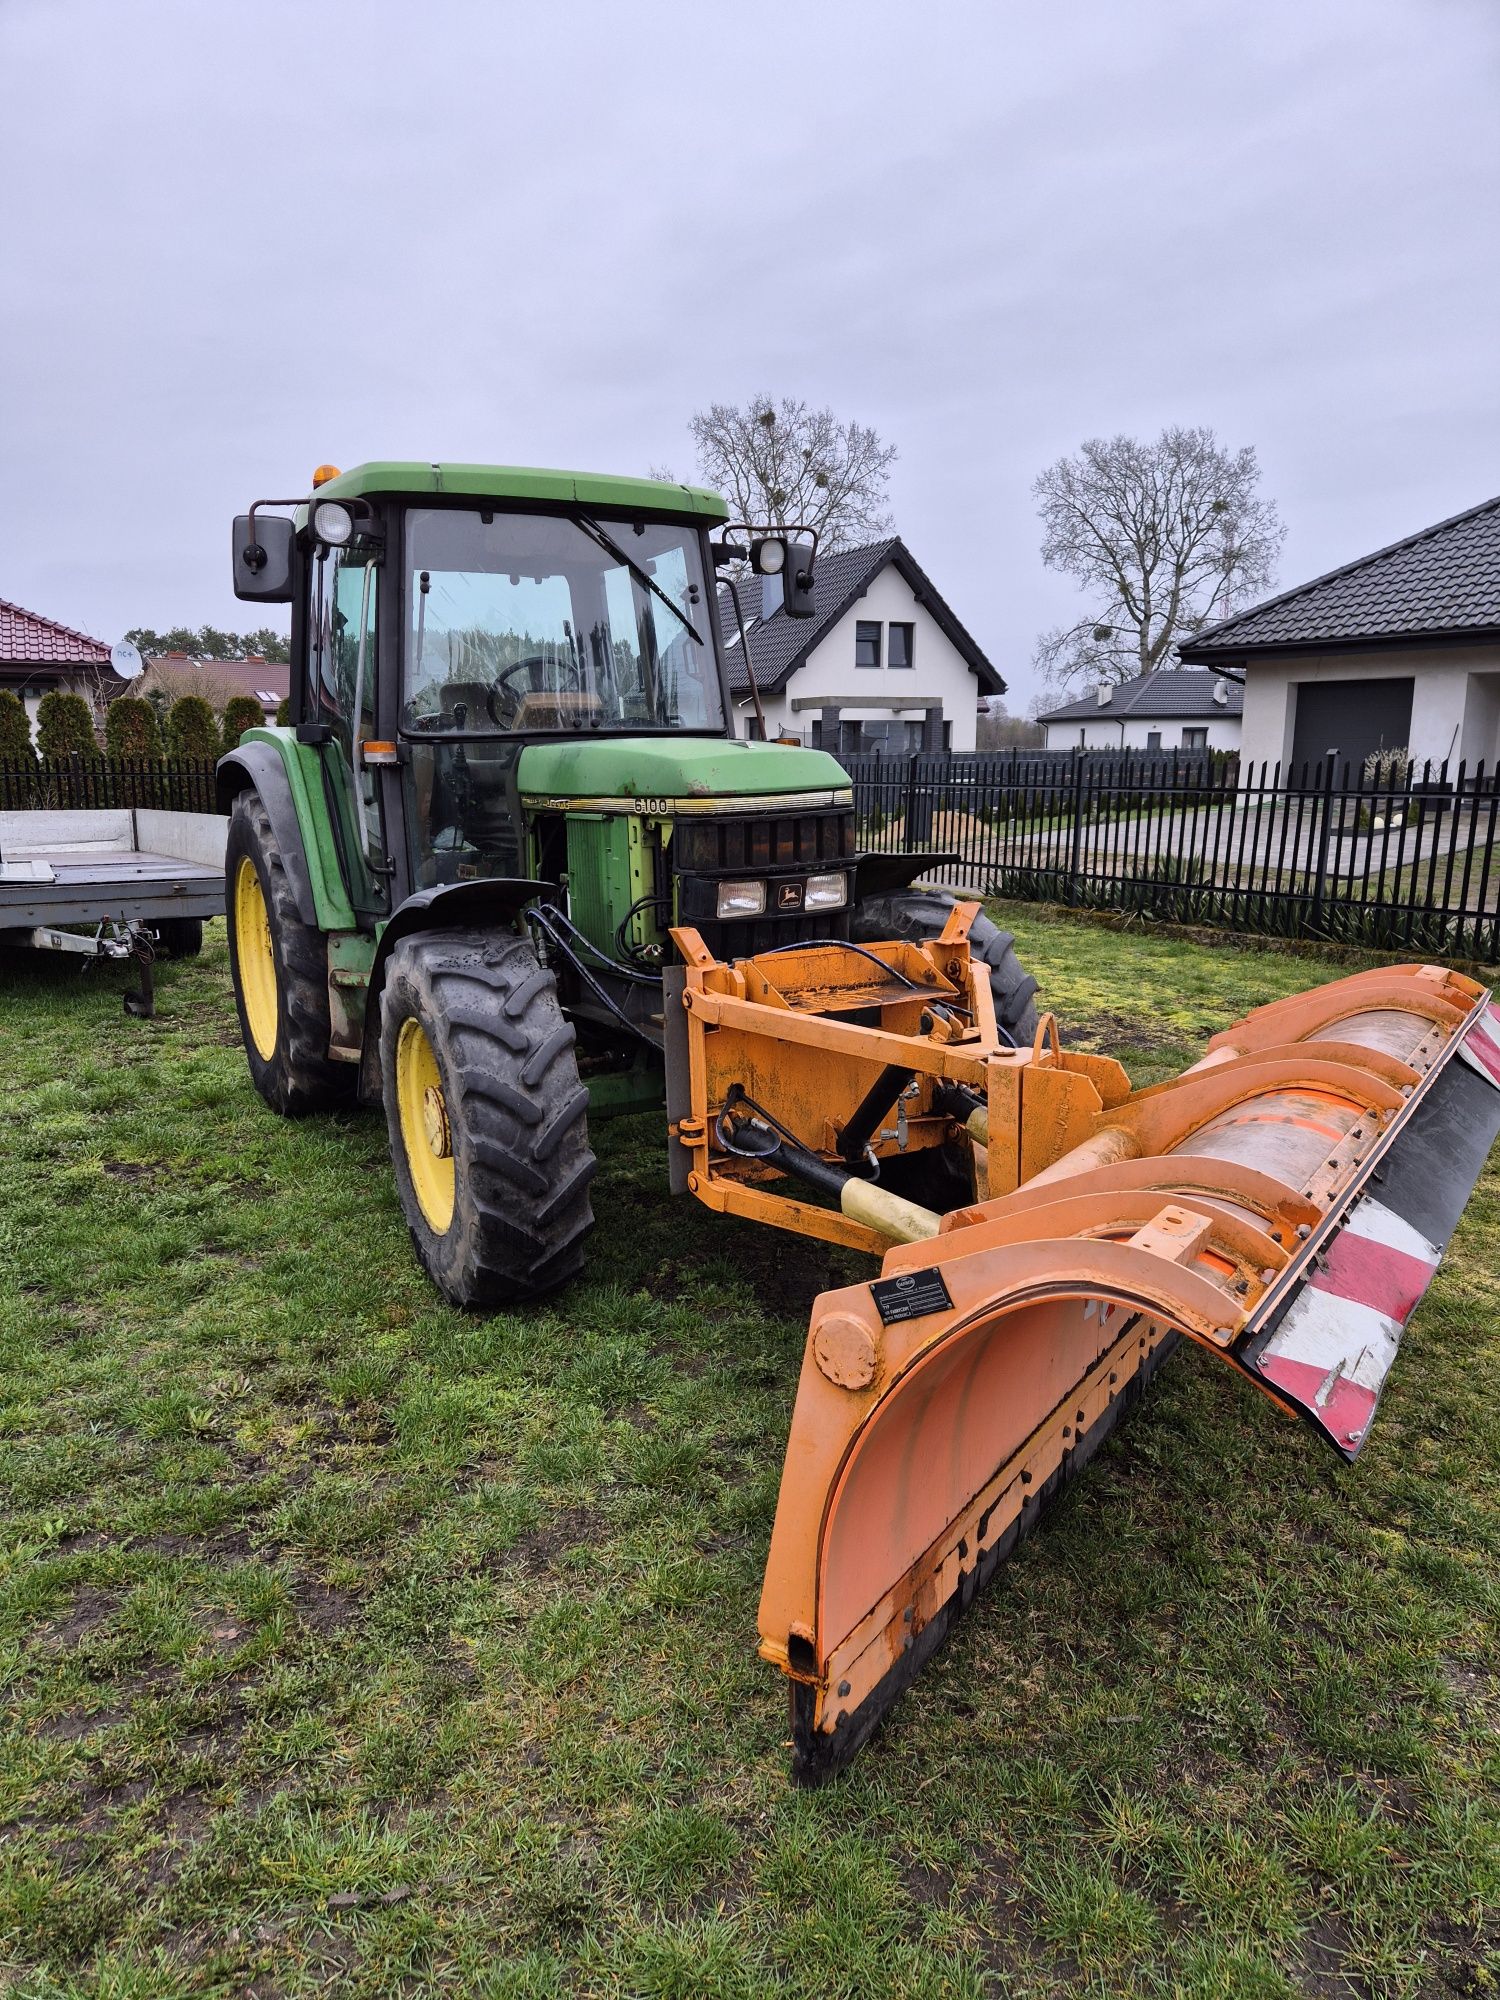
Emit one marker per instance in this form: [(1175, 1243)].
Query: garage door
[(1350, 718)]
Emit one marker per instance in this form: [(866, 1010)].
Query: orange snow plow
[(1283, 1203)]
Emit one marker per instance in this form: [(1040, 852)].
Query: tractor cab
[(455, 627)]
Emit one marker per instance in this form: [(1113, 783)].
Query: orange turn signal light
[(375, 752), (323, 474)]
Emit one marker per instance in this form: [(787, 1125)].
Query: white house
[(1169, 710), (1398, 651), (882, 663)]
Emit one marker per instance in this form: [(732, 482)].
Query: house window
[(866, 644), (1153, 739), (1195, 739), (900, 646)]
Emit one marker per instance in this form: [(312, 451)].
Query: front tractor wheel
[(279, 966), (487, 1117)]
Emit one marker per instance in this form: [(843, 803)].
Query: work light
[(332, 523)]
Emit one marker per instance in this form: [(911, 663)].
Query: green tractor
[(510, 770)]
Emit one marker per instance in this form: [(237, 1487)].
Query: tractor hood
[(674, 767)]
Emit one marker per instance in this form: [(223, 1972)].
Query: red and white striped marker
[(1480, 1047), (1333, 1350)]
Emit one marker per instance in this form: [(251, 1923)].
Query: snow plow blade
[(1283, 1203)]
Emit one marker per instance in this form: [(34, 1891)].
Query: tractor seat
[(563, 709)]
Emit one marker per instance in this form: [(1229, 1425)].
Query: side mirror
[(797, 588), (263, 558)]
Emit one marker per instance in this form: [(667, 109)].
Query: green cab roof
[(412, 479)]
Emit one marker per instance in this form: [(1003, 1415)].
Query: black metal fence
[(61, 784), (1401, 861)]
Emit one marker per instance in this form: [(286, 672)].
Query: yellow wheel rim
[(426, 1137), (255, 959)]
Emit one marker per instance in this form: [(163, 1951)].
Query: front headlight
[(826, 892), (742, 899)]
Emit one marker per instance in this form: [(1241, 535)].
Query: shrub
[(130, 728), (65, 726), (284, 712), (191, 729), (15, 729), (1387, 770), (243, 713)]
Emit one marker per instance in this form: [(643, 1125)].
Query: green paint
[(617, 1092), (411, 479), (673, 767), (599, 875), (305, 776), (350, 956)]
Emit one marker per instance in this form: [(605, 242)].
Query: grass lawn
[(349, 1645)]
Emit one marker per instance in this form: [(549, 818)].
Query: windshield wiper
[(608, 543)]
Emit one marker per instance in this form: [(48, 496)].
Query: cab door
[(341, 697)]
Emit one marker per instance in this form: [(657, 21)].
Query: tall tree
[(209, 643), (1164, 536), (783, 465)]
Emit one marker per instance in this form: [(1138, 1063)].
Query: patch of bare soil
[(321, 1607), (91, 1609), (536, 1553), (76, 1723), (1104, 1033)]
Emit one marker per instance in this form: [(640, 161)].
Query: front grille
[(770, 847), (763, 844)]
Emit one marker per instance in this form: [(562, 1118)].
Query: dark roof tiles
[(1167, 694), (1443, 581)]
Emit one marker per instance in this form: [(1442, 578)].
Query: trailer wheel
[(918, 914), (280, 970), (487, 1115), (179, 937)]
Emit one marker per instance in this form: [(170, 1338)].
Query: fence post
[(918, 822), (1075, 858), (1315, 917)]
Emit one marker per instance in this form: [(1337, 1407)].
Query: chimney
[(772, 595), (1105, 694), (1221, 693)]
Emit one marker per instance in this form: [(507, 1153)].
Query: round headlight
[(332, 523), (770, 556)]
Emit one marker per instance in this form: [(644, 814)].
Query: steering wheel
[(533, 663)]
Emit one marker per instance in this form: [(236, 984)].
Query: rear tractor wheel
[(915, 915), (934, 1178), (487, 1117), (280, 970)]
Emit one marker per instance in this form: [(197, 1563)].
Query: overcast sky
[(237, 240)]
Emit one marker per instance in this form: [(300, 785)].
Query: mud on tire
[(918, 914), (514, 1109), (298, 1076)]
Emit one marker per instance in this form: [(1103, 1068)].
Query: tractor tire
[(918, 914), (178, 937), (279, 966), (487, 1115)]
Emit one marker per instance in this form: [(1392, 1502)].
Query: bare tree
[(785, 465), (1164, 536)]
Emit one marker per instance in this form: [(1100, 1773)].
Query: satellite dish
[(126, 660)]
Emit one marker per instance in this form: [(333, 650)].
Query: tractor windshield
[(523, 624)]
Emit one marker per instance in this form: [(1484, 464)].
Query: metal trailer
[(113, 884)]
